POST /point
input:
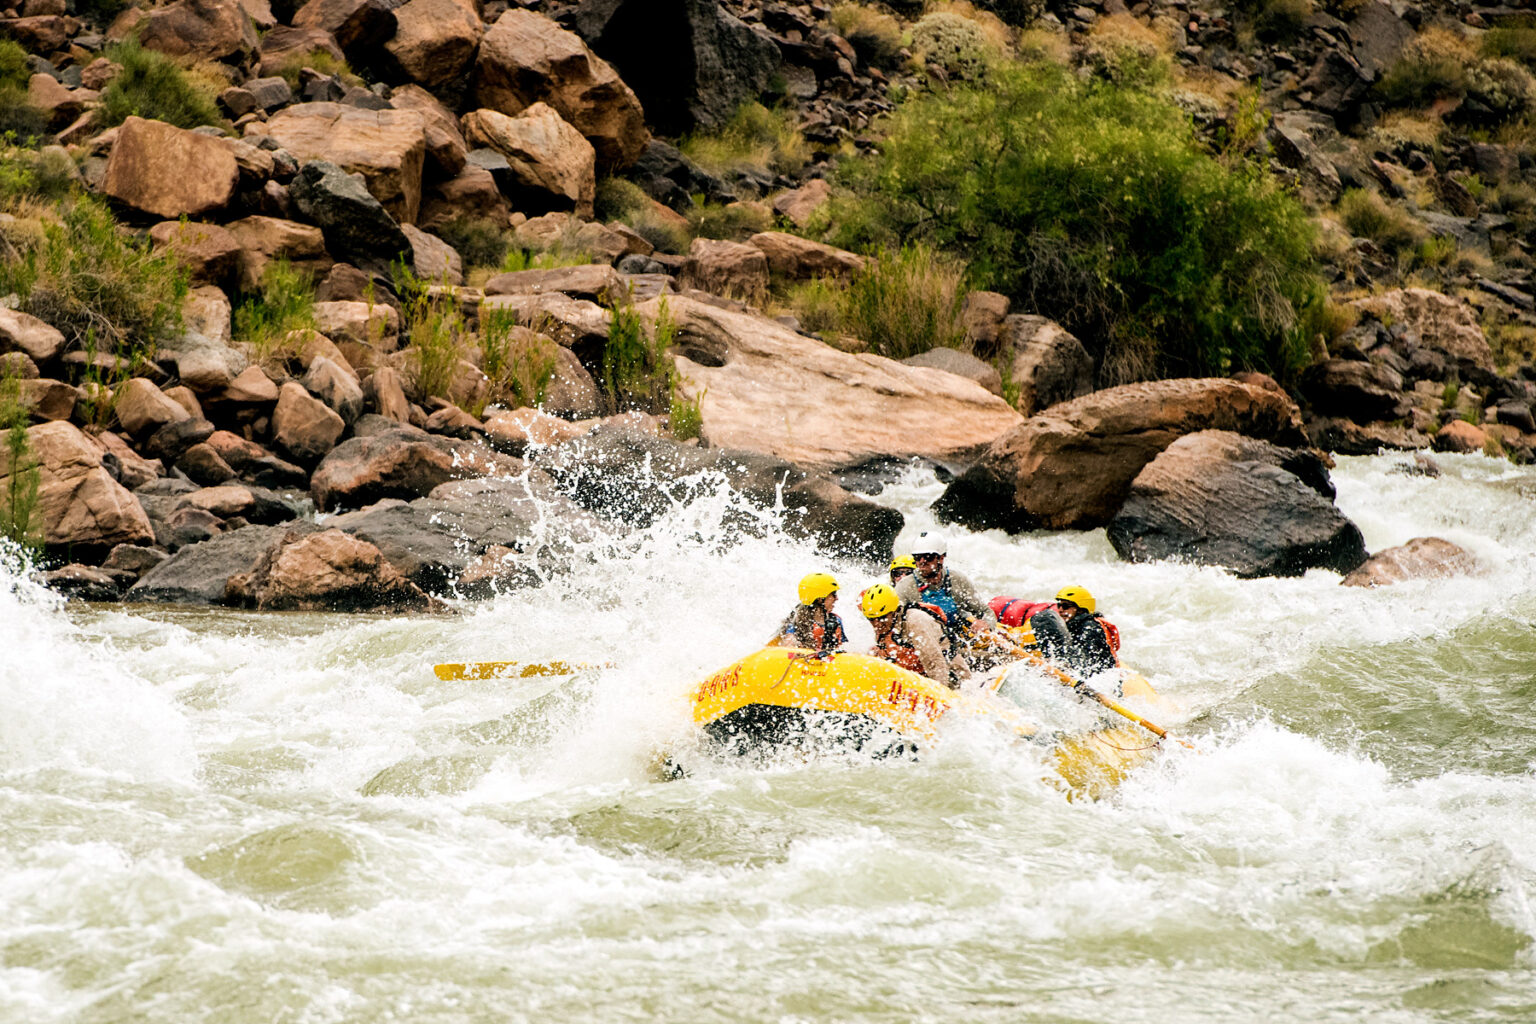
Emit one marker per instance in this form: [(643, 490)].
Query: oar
[(509, 669), (1080, 687)]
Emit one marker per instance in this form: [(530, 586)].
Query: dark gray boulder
[(633, 477), (690, 62), (1348, 387), (432, 540), (198, 573), (1218, 498), (357, 228)]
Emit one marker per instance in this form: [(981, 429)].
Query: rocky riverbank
[(360, 141)]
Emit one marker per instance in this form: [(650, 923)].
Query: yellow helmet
[(904, 562), (1078, 596), (878, 601), (817, 586)]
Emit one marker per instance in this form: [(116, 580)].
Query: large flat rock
[(780, 393)]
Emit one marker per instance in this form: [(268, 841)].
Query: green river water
[(254, 819)]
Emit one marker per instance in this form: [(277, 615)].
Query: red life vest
[(901, 654), (1112, 634), (1015, 611)]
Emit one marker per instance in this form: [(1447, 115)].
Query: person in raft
[(908, 636), (1069, 631), (813, 625), (902, 566), (950, 592)]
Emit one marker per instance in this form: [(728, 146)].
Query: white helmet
[(929, 543)]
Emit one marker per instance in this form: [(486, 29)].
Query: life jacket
[(1112, 634), (899, 648), (825, 636), (1015, 611), (940, 603)]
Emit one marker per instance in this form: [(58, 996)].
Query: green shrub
[(818, 305), (48, 175), (20, 519), (906, 302), (1366, 215), (685, 419), (284, 303), (1502, 87), (479, 241), (956, 44), (153, 86), (874, 35), (520, 363), (97, 284), (1432, 67), (1095, 205), (436, 331), (1516, 42), (322, 61), (1022, 13), (754, 139), (637, 372), (1282, 20), (524, 259), (619, 199), (730, 221)]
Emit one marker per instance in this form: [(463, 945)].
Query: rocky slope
[(358, 131)]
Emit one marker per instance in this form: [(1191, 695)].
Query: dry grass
[(1001, 37), (1050, 46)]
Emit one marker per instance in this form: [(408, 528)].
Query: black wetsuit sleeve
[(1091, 652), (1051, 634)]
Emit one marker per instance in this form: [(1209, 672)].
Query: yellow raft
[(785, 698)]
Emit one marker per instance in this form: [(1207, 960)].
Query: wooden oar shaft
[(507, 669)]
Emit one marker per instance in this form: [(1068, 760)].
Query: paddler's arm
[(966, 599), (928, 637)]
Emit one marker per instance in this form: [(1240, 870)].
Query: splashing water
[(254, 818)]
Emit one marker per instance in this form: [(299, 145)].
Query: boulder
[(714, 62), (83, 583), (327, 571), (206, 311), (302, 425), (433, 539), (400, 463), (43, 399), (80, 507), (633, 477), (800, 259), (1430, 320), (470, 195), (60, 104), (251, 386), (133, 558), (778, 393), (799, 205), (435, 40), (337, 387), (143, 408), (983, 314), (210, 253), (1218, 498), (1049, 364), (169, 172), (572, 323), (216, 30), (21, 332), (387, 147), (1071, 466), (41, 33), (1346, 437), (199, 573), (203, 465), (170, 441), (1349, 387), (18, 365), (372, 323), (445, 143), (550, 165), (592, 281), (383, 393), (961, 364), (125, 465), (731, 269), (224, 500), (359, 27), (572, 392), (283, 43), (1294, 148), (1460, 436), (253, 463), (516, 431), (525, 58), (263, 239), (357, 227), (1420, 558), (433, 259)]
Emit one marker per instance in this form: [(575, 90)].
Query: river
[(287, 819)]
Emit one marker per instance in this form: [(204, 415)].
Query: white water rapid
[(287, 819)]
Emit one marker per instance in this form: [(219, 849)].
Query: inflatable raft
[(785, 699)]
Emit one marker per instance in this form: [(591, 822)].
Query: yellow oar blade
[(505, 669)]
